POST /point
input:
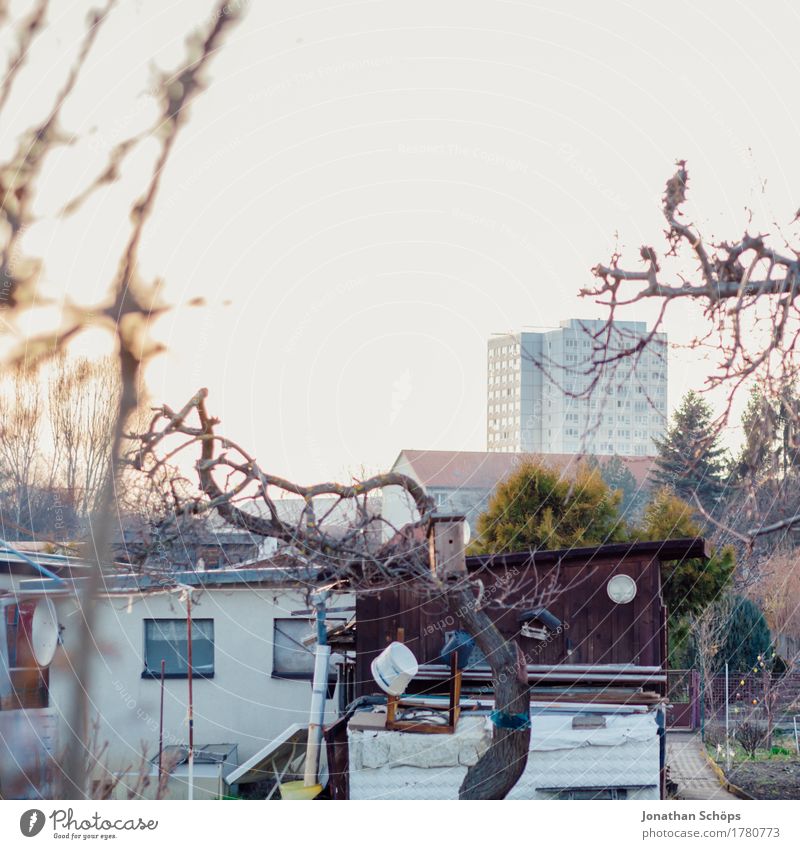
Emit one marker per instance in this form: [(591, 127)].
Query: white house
[(252, 662), (463, 481)]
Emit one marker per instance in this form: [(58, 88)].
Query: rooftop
[(484, 469), (276, 572)]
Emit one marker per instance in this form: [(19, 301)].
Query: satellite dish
[(467, 532), (44, 632)]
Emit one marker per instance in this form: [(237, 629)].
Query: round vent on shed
[(621, 589)]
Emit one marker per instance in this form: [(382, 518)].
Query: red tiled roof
[(483, 469)]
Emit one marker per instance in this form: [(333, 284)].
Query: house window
[(212, 556), (290, 657), (166, 639)]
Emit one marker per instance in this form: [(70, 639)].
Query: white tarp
[(555, 731), (397, 765)]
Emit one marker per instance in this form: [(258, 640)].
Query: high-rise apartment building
[(542, 396)]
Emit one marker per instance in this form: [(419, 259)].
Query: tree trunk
[(501, 766)]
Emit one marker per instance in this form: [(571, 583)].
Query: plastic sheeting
[(397, 765), (550, 733)]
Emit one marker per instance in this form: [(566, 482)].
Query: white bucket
[(393, 668)]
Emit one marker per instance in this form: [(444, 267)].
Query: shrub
[(714, 735), (750, 736), (536, 508)]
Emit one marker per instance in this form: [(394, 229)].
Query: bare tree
[(747, 291), (743, 286), (82, 400), (20, 427), (130, 302), (778, 593), (157, 528), (771, 693), (55, 446), (708, 630), (125, 315), (232, 482), (775, 687)]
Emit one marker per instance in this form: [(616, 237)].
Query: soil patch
[(768, 779)]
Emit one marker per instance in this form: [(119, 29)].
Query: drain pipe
[(7, 547), (316, 718), (191, 699), (6, 687)]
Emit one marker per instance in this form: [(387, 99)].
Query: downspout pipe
[(319, 687), (6, 687)]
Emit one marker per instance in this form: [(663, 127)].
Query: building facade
[(463, 481), (251, 671), (544, 394)]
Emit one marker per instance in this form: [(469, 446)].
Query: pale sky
[(368, 190)]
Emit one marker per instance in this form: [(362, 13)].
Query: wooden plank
[(370, 639), (647, 620), (337, 750), (455, 690), (610, 697)]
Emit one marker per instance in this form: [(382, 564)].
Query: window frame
[(196, 674), (292, 676)]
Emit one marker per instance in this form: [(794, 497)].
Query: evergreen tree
[(690, 460), (619, 477), (771, 447), (534, 508), (748, 638), (688, 586), (759, 427)]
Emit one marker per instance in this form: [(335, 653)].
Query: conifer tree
[(771, 447), (536, 508), (690, 459), (688, 586), (748, 637), (620, 478)]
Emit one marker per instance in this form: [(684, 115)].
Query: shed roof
[(687, 548), (267, 573)]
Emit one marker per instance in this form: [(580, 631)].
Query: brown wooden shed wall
[(598, 630)]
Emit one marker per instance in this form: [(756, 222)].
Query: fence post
[(703, 708), (727, 721)]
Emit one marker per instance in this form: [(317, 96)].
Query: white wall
[(398, 506), (242, 704)]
